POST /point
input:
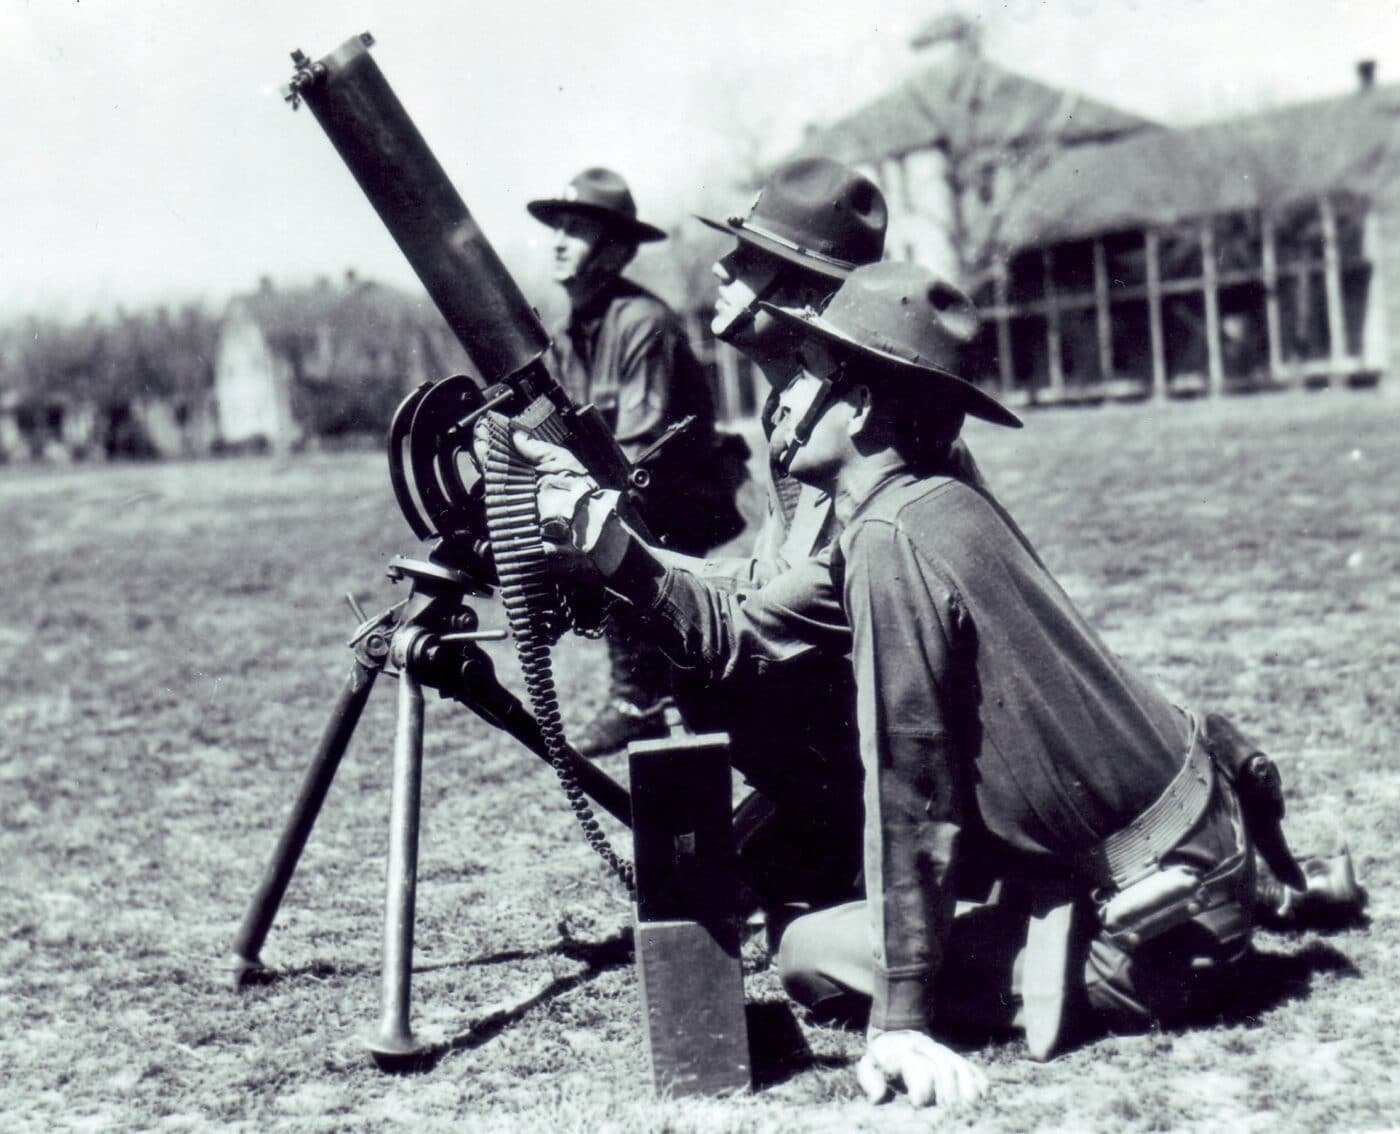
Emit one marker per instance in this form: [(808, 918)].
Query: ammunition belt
[(1136, 850), (535, 610)]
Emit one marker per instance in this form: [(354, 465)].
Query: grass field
[(175, 638)]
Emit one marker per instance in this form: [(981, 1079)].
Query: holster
[(1170, 898), (1259, 788)]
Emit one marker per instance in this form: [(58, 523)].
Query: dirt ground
[(175, 639)]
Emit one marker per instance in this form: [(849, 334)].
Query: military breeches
[(640, 673), (1117, 979)]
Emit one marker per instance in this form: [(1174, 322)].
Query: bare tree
[(996, 134), (961, 145)]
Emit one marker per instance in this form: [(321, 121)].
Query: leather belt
[(1135, 851)]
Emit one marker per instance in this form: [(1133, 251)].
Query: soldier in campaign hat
[(623, 350), (602, 196), (812, 222), (1001, 741)]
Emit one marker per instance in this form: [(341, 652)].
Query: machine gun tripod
[(429, 640), (481, 515)]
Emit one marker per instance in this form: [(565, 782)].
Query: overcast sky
[(149, 156)]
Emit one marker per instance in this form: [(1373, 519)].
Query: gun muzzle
[(354, 104)]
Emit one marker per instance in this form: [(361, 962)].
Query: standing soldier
[(622, 349)]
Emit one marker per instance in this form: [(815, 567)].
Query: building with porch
[(1114, 257), (1242, 254)]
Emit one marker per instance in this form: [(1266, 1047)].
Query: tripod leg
[(393, 1045), (480, 691), (316, 782)]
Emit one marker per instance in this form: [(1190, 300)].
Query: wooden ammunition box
[(686, 929)]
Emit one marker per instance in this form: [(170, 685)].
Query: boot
[(639, 689), (617, 724), (1333, 899)]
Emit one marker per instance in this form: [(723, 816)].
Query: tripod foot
[(243, 971), (401, 1052)]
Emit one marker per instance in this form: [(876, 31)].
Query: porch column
[(1055, 361), (1273, 324), (1103, 313), (1154, 314), (1332, 273), (1005, 363), (1211, 270)]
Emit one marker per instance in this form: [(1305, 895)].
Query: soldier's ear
[(862, 402)]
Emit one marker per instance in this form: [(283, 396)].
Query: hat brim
[(797, 256), (971, 397), (549, 210)]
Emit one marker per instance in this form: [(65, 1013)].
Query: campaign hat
[(602, 194), (910, 319), (815, 213)]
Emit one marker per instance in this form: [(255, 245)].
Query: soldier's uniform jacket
[(988, 709), (984, 701), (626, 353), (792, 735), (799, 522)]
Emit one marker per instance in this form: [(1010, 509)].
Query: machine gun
[(477, 515), (432, 430)]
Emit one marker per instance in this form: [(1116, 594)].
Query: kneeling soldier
[(1002, 743), (999, 734)]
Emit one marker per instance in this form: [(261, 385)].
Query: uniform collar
[(853, 497), (591, 313), (868, 489)]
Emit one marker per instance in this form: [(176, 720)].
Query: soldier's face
[(575, 238), (811, 436), (745, 275)]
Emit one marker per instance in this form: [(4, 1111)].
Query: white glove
[(583, 537), (547, 458), (929, 1071)]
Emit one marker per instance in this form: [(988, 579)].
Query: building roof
[(969, 99), (1349, 142)]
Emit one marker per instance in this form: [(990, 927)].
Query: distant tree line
[(86, 384), (103, 360), (147, 382)]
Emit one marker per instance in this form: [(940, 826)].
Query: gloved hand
[(548, 458), (583, 538), (929, 1071)]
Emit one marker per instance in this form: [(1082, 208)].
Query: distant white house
[(252, 384), (323, 360)]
